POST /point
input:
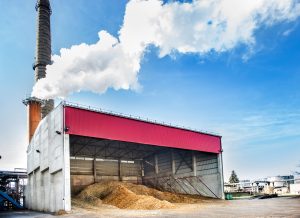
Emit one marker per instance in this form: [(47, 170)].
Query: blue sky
[(254, 103)]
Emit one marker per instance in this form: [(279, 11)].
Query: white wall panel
[(49, 179)]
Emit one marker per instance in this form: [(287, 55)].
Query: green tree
[(233, 178)]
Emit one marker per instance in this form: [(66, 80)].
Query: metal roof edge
[(137, 118)]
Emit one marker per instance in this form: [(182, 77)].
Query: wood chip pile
[(131, 196)]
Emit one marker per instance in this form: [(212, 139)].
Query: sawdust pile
[(131, 196)]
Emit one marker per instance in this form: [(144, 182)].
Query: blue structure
[(12, 189), (5, 200)]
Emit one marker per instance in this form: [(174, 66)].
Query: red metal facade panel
[(100, 125)]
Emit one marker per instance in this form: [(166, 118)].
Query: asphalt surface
[(275, 207), (23, 213)]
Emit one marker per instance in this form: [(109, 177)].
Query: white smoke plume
[(201, 26)]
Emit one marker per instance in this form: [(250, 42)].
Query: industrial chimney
[(36, 108), (43, 47)]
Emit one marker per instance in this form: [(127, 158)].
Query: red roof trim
[(102, 125)]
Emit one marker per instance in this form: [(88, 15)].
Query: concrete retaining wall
[(82, 172), (48, 170), (187, 172), (174, 170)]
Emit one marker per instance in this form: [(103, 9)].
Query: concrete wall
[(48, 166), (87, 171), (187, 172), (174, 170)]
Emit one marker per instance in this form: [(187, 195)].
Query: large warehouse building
[(74, 146)]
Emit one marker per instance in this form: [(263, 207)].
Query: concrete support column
[(67, 173), (194, 162), (156, 168), (142, 168), (220, 169), (173, 162), (94, 169), (156, 163), (119, 170)]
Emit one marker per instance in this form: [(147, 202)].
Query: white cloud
[(93, 67), (263, 127), (287, 32), (260, 137), (201, 26)]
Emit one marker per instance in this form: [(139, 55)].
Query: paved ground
[(22, 214), (276, 207)]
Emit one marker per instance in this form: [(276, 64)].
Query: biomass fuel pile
[(130, 196)]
